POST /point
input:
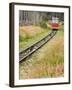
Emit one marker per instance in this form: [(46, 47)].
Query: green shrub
[(43, 24)]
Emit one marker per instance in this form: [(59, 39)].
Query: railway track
[(30, 50)]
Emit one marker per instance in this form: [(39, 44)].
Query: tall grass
[(30, 35), (46, 62)]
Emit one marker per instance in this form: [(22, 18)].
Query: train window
[(55, 20)]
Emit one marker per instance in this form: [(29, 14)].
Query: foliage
[(43, 24)]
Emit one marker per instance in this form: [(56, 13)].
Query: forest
[(35, 17)]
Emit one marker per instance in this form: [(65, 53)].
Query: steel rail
[(30, 50)]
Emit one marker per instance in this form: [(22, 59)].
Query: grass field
[(30, 35), (47, 62)]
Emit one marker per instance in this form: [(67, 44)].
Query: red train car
[(55, 23)]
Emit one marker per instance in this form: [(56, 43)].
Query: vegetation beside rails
[(47, 61)]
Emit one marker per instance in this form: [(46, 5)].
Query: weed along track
[(30, 50)]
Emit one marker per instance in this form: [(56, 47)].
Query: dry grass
[(29, 35), (46, 62), (30, 30)]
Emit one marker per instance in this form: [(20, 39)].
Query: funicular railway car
[(55, 23)]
